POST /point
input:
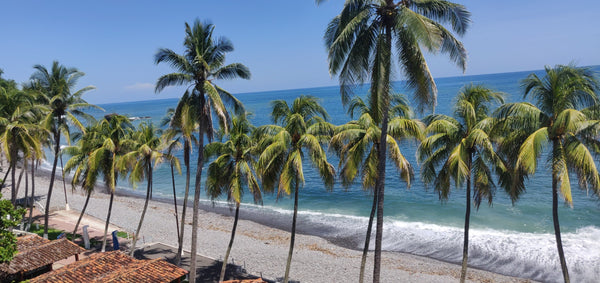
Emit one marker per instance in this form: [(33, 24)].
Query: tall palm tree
[(140, 161), (17, 131), (87, 142), (183, 124), (459, 148), (56, 87), (357, 143), (563, 116), (303, 129), (114, 140), (171, 144), (203, 62), (233, 170), (360, 41)]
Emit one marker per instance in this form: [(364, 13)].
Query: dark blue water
[(515, 240)]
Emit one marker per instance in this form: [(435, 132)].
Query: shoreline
[(260, 248)]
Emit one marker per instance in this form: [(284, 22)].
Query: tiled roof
[(114, 266), (35, 252)]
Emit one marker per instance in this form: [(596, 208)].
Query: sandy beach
[(260, 249)]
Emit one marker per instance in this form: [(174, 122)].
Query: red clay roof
[(35, 252), (114, 266)]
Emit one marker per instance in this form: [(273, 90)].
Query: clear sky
[(114, 42)]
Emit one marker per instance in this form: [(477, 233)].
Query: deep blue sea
[(510, 239)]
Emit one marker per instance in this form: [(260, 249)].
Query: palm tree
[(56, 88), (140, 161), (360, 41), (87, 142), (303, 129), (233, 170), (202, 63), (183, 123), (171, 144), (461, 149), (17, 131), (357, 143), (114, 141), (564, 115)]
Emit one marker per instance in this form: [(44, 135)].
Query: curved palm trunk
[(186, 157), (235, 222), (52, 175), (175, 201), (561, 253), (363, 261), (110, 203), (148, 193), (87, 200), (380, 182), (19, 182), (293, 236), (463, 271), (6, 175), (193, 256)]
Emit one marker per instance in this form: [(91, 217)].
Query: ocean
[(515, 240)]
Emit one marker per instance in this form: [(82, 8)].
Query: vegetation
[(9, 217)]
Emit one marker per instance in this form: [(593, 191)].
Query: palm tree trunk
[(19, 182), (463, 271), (26, 183), (175, 201), (186, 156), (363, 261), (293, 236), (87, 200), (31, 202), (6, 175), (62, 169), (52, 175), (380, 181), (235, 222), (139, 228), (192, 276), (110, 203), (561, 254), (13, 190)]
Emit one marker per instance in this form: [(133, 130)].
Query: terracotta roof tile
[(114, 266), (36, 252)]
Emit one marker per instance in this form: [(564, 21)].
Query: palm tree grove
[(291, 185)]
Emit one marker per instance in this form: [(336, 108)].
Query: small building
[(114, 266), (35, 256)]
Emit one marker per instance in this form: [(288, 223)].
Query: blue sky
[(114, 42)]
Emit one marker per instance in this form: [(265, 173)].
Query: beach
[(262, 250)]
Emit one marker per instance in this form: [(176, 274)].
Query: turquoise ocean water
[(514, 240)]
